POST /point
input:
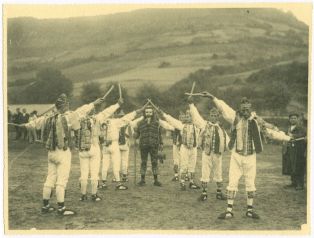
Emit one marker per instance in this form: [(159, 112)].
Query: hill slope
[(161, 46)]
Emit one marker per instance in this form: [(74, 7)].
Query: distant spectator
[(17, 119), (25, 119), (294, 161), (9, 115), (32, 133)]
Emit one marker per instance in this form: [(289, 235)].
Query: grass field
[(150, 207)]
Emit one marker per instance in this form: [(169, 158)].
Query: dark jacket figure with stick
[(149, 134), (293, 158)]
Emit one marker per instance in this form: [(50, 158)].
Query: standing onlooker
[(294, 161), (32, 135), (17, 119), (24, 119), (9, 115)]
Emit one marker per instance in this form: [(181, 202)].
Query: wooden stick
[(120, 91), (194, 94), (150, 101), (14, 124), (109, 91), (193, 87), (50, 109)]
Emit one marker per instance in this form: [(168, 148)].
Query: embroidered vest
[(253, 138), (57, 134), (212, 141), (188, 138), (150, 133), (85, 134)]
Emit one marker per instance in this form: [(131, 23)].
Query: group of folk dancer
[(98, 131)]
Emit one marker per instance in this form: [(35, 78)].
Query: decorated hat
[(245, 104), (61, 101)]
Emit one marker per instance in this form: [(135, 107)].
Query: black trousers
[(153, 152)]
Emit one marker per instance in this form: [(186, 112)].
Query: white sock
[(60, 193), (94, 184), (84, 186), (47, 192)]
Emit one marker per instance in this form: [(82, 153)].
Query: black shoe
[(226, 215), (182, 187), (83, 198), (121, 187), (221, 196), (104, 185), (194, 186), (252, 214), (125, 178), (47, 209), (157, 183), (96, 198), (175, 178), (203, 197), (141, 183), (65, 212), (289, 186)]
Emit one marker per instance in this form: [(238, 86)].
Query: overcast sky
[(301, 11)]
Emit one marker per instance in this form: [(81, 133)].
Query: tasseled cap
[(214, 112), (61, 101), (245, 104)]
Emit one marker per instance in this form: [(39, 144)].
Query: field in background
[(151, 207)]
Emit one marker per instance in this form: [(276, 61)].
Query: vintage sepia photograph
[(157, 118)]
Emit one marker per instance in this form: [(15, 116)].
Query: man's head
[(213, 115), (186, 117), (245, 108), (119, 113), (18, 110), (148, 111), (293, 118), (62, 103), (24, 110)]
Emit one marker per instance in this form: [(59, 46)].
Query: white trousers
[(59, 166), (176, 155), (111, 153), (212, 162), (90, 163), (242, 165), (187, 159), (124, 152)]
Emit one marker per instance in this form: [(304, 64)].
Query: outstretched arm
[(227, 112), (196, 117), (166, 125), (277, 135), (174, 122), (102, 116), (123, 121)]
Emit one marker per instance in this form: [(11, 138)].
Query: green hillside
[(159, 46)]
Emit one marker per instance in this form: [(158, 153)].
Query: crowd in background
[(21, 117)]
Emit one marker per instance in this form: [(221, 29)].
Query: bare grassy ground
[(151, 207)]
